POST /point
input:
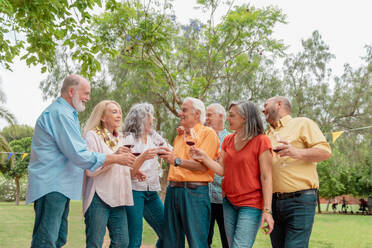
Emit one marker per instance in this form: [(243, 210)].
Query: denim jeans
[(98, 216), (50, 228), (187, 211), (294, 220), (217, 216), (241, 224), (147, 204)]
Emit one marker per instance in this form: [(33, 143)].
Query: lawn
[(330, 230)]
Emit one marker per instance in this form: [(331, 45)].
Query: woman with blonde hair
[(107, 191)]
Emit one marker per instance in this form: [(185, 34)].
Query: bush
[(8, 191)]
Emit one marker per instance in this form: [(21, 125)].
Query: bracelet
[(268, 211)]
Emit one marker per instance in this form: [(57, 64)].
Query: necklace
[(111, 140)]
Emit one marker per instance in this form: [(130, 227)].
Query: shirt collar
[(66, 105), (222, 132), (282, 122)]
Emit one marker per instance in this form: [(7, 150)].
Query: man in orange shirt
[(187, 204)]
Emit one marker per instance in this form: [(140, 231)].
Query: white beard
[(78, 105)]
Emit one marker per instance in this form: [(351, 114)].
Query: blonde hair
[(96, 115)]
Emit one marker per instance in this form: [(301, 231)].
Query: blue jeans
[(187, 211), (147, 204), (294, 218), (98, 216), (241, 224), (50, 228)]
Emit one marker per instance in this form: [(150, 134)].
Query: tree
[(16, 168), (38, 27), (4, 113), (15, 132)]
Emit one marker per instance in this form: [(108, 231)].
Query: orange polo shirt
[(207, 140)]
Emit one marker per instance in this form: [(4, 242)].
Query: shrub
[(8, 190)]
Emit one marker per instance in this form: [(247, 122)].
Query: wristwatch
[(177, 162)]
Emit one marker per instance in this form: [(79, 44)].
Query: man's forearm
[(111, 159), (193, 165), (314, 154)]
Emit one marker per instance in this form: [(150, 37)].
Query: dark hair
[(253, 123)]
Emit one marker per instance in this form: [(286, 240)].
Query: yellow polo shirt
[(207, 140), (289, 174)]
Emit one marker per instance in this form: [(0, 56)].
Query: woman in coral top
[(245, 163)]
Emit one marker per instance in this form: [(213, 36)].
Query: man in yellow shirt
[(298, 145), (187, 204)]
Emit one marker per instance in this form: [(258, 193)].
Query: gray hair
[(197, 105), (253, 123), (219, 109), (135, 120), (72, 80)]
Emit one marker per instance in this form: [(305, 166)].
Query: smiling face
[(81, 95), (271, 111), (235, 120), (112, 117), (188, 116), (213, 119)]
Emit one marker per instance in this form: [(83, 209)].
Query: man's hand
[(167, 155), (126, 158), (287, 150)]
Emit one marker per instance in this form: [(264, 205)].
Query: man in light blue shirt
[(59, 156), (216, 115)]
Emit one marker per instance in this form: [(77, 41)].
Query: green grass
[(330, 230)]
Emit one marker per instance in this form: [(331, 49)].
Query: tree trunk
[(164, 180), (329, 201), (319, 210), (18, 187)]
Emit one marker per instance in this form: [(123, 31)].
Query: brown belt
[(283, 196), (190, 185)]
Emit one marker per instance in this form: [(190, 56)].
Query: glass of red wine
[(190, 138), (129, 140), (138, 148)]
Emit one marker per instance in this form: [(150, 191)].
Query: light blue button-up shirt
[(59, 154), (215, 192)]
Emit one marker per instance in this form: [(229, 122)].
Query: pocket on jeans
[(307, 200)]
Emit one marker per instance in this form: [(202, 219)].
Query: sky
[(343, 24)]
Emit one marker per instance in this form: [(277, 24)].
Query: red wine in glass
[(277, 150), (129, 146), (190, 143), (161, 153), (161, 143), (136, 153)]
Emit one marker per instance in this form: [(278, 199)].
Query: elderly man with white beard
[(59, 156)]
